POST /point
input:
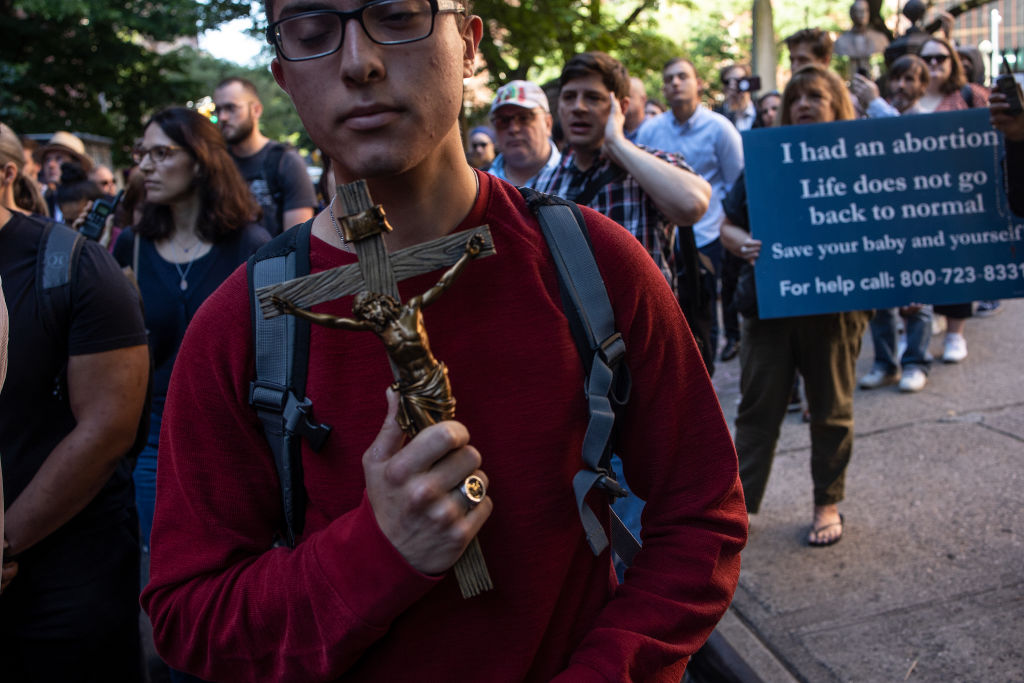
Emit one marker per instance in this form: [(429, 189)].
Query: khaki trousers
[(824, 349)]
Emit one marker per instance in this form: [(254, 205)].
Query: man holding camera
[(737, 84)]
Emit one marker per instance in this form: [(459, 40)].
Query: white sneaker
[(913, 380), (878, 378), (955, 349)]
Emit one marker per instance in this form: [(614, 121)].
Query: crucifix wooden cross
[(331, 284), (425, 394)]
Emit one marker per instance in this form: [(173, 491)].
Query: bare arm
[(681, 196), (473, 247), (293, 217), (739, 242), (106, 391), (325, 319)]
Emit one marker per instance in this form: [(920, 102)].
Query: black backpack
[(56, 280), (281, 346)]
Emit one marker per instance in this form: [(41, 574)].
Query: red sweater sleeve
[(678, 456), (223, 605)]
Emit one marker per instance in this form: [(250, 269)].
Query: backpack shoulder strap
[(56, 271), (602, 350), (281, 347)]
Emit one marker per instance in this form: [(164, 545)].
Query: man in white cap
[(522, 123), (62, 148)]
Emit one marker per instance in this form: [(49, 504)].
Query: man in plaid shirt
[(646, 191)]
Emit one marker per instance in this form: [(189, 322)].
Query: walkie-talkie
[(94, 223)]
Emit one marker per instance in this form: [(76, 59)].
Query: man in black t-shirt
[(275, 172), (69, 413)]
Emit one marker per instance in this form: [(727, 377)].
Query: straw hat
[(64, 141)]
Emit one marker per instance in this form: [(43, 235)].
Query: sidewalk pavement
[(927, 583)]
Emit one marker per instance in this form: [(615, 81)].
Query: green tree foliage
[(88, 65), (531, 39), (201, 74)]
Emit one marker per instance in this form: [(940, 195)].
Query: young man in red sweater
[(367, 593)]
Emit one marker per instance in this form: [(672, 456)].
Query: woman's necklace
[(183, 272), (185, 249)]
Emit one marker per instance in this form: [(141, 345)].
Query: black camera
[(94, 223), (752, 84), (1008, 85)]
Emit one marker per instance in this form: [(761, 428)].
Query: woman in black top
[(197, 226)]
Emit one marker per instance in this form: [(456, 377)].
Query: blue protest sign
[(876, 213)]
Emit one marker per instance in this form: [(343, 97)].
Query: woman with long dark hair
[(823, 348), (197, 226)]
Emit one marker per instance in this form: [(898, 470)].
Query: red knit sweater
[(344, 605)]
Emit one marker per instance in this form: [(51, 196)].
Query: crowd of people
[(131, 424)]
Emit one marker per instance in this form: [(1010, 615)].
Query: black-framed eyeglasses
[(319, 33), (158, 153), (935, 59)]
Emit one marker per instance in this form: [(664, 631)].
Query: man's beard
[(242, 131), (904, 101)]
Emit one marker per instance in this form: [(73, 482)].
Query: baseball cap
[(521, 94)]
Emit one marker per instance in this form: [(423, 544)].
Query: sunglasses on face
[(158, 153), (475, 145), (522, 119), (935, 59)]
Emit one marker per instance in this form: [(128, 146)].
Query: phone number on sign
[(961, 275)]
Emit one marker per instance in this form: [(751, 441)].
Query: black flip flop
[(841, 523)]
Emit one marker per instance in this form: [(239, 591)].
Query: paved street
[(928, 581)]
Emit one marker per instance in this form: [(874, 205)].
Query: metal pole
[(995, 20)]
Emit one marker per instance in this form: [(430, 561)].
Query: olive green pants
[(824, 349)]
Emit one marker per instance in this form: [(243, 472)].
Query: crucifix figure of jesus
[(423, 387)]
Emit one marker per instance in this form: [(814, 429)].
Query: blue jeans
[(884, 337), (628, 509), (145, 479)]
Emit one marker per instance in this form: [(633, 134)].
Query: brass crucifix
[(420, 379)]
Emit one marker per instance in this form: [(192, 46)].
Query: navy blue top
[(169, 308)]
